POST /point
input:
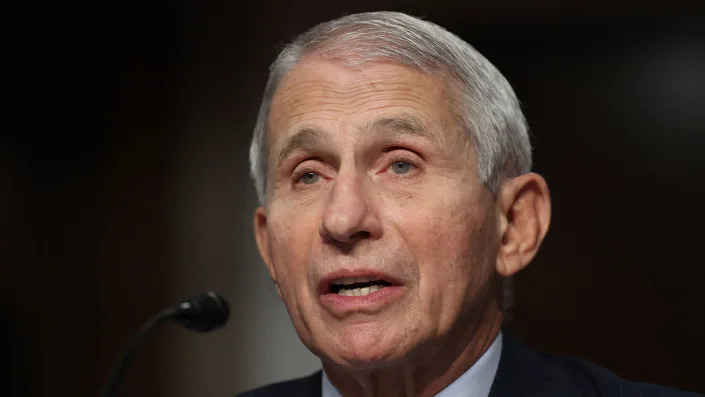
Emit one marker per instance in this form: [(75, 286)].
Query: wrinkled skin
[(369, 171)]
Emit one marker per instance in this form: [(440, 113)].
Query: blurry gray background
[(123, 175)]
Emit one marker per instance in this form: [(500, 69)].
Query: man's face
[(373, 191)]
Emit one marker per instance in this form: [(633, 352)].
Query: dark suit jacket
[(521, 372)]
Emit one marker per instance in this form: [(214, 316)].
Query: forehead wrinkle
[(358, 88), (302, 96), (292, 89), (299, 97)]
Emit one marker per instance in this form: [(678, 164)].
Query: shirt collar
[(476, 381)]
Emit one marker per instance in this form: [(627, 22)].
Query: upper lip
[(368, 274)]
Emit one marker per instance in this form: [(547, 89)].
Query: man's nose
[(348, 216)]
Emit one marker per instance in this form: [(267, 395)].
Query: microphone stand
[(203, 313), (128, 353)]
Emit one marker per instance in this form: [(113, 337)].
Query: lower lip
[(370, 303)]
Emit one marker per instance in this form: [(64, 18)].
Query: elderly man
[(393, 165)]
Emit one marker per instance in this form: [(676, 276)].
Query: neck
[(428, 373)]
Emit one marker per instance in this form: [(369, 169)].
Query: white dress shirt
[(475, 382)]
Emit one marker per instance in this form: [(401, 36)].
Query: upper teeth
[(359, 291), (353, 280), (357, 286)]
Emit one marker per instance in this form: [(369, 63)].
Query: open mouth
[(359, 291), (357, 286)]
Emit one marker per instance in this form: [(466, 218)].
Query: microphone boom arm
[(203, 313), (128, 353)]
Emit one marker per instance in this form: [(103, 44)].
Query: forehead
[(343, 99)]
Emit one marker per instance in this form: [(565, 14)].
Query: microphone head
[(203, 312)]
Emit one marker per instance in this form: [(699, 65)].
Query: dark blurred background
[(123, 178)]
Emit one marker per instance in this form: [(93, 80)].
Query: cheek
[(453, 252), (290, 251), (291, 240)]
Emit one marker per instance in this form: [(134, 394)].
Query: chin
[(363, 352), (366, 361)]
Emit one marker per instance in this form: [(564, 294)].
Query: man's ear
[(262, 239), (525, 213)]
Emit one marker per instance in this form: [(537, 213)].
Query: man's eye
[(401, 167), (309, 178)]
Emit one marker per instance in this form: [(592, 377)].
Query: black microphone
[(204, 312)]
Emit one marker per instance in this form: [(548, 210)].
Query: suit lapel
[(310, 386), (522, 372)]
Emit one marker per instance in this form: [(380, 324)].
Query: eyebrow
[(308, 137), (405, 124), (305, 138)]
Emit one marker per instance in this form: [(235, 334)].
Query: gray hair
[(486, 105)]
